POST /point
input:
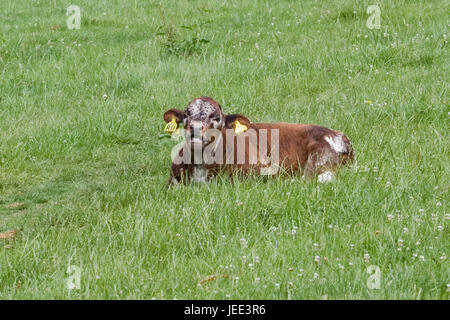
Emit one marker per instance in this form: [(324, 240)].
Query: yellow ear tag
[(171, 126), (238, 127)]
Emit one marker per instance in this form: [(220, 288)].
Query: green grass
[(83, 177)]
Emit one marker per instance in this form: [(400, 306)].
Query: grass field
[(83, 170)]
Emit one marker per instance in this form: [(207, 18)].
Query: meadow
[(84, 165)]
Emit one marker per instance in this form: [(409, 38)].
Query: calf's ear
[(171, 114), (230, 121)]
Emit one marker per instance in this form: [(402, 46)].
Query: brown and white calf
[(214, 142)]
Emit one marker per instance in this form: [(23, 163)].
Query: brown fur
[(302, 148)]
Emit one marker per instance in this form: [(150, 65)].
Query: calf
[(214, 142)]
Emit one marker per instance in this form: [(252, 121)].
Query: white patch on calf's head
[(200, 109), (207, 111), (337, 143)]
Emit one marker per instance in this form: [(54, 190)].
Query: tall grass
[(83, 173)]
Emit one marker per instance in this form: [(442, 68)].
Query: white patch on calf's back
[(337, 143)]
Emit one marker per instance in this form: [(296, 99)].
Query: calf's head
[(203, 114)]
